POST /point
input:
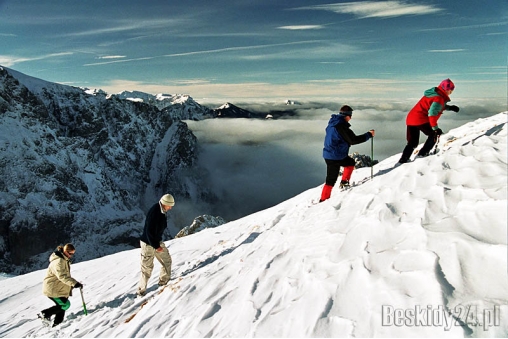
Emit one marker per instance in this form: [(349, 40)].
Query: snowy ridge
[(41, 88), (35, 85), (160, 100), (428, 235)]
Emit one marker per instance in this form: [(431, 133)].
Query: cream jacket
[(58, 281)]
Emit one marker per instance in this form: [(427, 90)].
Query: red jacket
[(428, 109)]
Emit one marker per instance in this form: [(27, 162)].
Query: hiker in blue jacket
[(339, 138)]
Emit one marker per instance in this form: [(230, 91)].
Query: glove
[(453, 108), (78, 285)]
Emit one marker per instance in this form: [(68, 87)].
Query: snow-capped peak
[(225, 106)]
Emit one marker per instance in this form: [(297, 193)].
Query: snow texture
[(418, 251)]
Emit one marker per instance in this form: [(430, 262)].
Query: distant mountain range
[(229, 110)]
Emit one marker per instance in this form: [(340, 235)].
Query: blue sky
[(261, 50)]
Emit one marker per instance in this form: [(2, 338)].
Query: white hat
[(168, 200)]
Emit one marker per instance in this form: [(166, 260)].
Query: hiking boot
[(46, 321), (344, 184)]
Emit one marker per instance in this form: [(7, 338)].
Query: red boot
[(325, 194), (346, 175)]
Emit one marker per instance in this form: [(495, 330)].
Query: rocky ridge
[(81, 166)]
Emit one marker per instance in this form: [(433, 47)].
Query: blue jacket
[(339, 137)]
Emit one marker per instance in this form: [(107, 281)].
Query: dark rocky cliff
[(83, 167)]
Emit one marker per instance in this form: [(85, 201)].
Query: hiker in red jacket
[(424, 116)]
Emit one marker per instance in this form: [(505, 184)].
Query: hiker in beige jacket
[(58, 284)]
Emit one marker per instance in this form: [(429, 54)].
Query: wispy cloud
[(112, 57), (491, 70), (497, 33), (301, 27), (9, 61), (119, 61), (138, 25), (325, 50), (448, 28), (445, 50), (376, 9), (188, 82), (242, 48), (210, 51)]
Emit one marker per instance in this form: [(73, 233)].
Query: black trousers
[(58, 310), (333, 169), (413, 139)]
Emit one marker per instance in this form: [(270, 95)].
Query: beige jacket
[(58, 281)]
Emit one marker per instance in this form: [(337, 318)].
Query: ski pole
[(434, 151), (371, 157), (83, 300)]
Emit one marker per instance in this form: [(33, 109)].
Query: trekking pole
[(83, 300), (434, 151), (371, 157)]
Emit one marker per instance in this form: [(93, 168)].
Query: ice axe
[(83, 300)]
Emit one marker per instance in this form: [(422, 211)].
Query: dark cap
[(346, 110)]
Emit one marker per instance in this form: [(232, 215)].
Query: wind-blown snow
[(388, 258)]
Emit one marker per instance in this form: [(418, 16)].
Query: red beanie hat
[(447, 85)]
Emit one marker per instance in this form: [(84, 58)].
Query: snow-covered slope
[(420, 250)]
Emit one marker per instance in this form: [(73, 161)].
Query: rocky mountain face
[(229, 110), (200, 223), (82, 166)]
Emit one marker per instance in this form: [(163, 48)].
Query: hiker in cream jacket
[(58, 284)]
